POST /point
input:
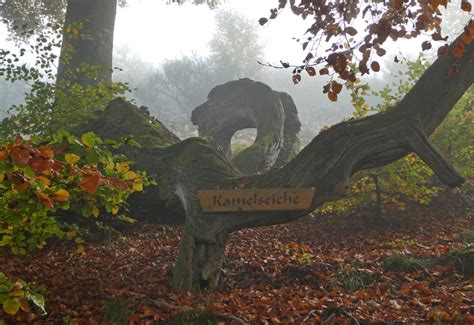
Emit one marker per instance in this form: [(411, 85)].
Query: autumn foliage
[(284, 274), (38, 180), (347, 51)]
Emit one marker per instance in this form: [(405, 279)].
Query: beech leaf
[(375, 66), (311, 71)]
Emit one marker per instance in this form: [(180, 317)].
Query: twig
[(332, 311), (309, 314), (162, 304)]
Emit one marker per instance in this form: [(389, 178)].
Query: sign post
[(266, 199)]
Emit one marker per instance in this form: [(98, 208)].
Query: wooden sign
[(267, 199)]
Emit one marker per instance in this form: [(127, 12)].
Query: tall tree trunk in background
[(91, 45)]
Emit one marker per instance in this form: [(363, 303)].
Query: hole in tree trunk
[(242, 139)]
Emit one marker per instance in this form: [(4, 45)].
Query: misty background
[(173, 55)]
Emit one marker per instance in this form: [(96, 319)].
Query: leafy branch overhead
[(344, 49)]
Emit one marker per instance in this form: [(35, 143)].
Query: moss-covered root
[(402, 263), (463, 261)]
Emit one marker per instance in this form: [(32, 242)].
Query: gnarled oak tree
[(327, 163)]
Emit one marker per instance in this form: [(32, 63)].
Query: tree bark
[(92, 46), (336, 154), (377, 213), (244, 104), (327, 163)]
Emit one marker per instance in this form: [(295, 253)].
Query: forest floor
[(292, 273)]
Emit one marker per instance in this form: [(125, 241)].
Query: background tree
[(235, 46), (87, 42), (177, 86), (32, 14)]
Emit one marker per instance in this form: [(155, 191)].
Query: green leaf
[(4, 289), (93, 158), (11, 306), (38, 300), (89, 139), (3, 297)]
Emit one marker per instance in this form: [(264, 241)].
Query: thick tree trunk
[(327, 163), (91, 47), (336, 154)]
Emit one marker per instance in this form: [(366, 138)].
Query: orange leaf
[(458, 51), (323, 71), (3, 154), (71, 234), (115, 182), (467, 38), (296, 78), (44, 199), (336, 87), (24, 306), (43, 180), (293, 245), (47, 152), (405, 290), (90, 183), (437, 37), (436, 3), (56, 165), (38, 164), (375, 66), (466, 6), (311, 71), (21, 154), (443, 51)]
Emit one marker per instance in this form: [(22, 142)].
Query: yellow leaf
[(115, 210), (62, 195), (80, 249), (17, 293), (131, 175), (138, 186), (122, 167), (110, 165), (71, 158), (95, 212), (11, 306)]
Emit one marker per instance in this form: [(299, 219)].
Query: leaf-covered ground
[(289, 273)]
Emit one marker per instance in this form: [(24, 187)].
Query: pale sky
[(156, 31)]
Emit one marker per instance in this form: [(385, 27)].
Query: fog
[(173, 55)]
